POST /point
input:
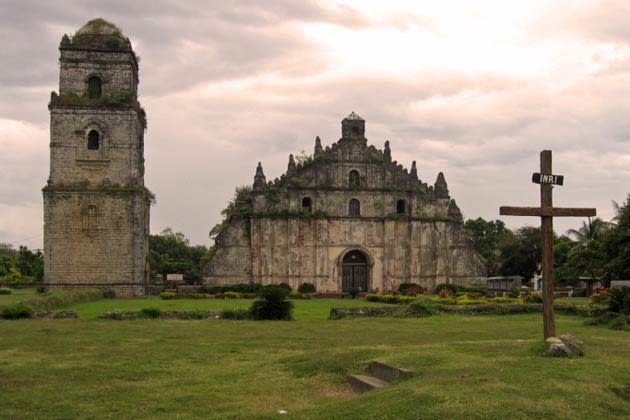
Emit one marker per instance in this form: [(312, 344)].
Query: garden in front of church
[(464, 366)]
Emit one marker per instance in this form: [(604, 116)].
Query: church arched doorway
[(354, 272)]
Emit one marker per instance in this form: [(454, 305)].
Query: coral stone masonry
[(346, 219), (96, 207)]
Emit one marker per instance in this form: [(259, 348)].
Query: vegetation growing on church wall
[(113, 99)]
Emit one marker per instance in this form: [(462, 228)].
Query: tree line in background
[(598, 250), (22, 265)]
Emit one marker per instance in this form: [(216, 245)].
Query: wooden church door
[(354, 272)]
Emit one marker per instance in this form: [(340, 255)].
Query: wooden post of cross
[(546, 211)]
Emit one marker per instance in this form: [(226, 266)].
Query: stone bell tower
[(96, 207)]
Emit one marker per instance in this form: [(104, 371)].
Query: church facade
[(96, 207), (345, 219)]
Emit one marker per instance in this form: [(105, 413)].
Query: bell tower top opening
[(353, 127)]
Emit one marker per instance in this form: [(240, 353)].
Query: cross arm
[(547, 211)]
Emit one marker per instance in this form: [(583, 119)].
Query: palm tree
[(617, 209), (590, 231), (585, 257)]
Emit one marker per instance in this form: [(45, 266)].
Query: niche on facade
[(94, 87), (307, 205), (92, 144), (354, 208), (354, 179), (401, 207), (89, 219)]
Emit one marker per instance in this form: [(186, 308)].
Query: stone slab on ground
[(364, 383), (387, 372)]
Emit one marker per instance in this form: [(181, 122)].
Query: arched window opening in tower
[(306, 204), (401, 207), (94, 90), (354, 207), (93, 140), (354, 178)]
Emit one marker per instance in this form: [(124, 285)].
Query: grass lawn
[(466, 367), (304, 309), (16, 296)]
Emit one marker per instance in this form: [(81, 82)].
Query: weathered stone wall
[(281, 241), (105, 248), (119, 157), (96, 209), (232, 262), (117, 70)]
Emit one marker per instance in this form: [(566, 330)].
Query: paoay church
[(345, 219)]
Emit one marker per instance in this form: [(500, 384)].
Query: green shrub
[(410, 289), (449, 300), (389, 298), (297, 295), (231, 295), (619, 302), (17, 311), (193, 296), (273, 304), (621, 322), (109, 294), (422, 308), (61, 298), (372, 297), (286, 287), (306, 288), (240, 288), (151, 312), (465, 300), (514, 292), (40, 289), (237, 314), (453, 289), (534, 298), (5, 291), (168, 295), (501, 299)]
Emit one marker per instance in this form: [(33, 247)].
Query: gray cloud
[(227, 85)]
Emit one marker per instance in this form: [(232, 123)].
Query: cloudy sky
[(472, 88)]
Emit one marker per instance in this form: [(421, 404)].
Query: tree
[(563, 274), (521, 253), (488, 237), (22, 265), (586, 259), (616, 245), (591, 230), (171, 252), (30, 263)]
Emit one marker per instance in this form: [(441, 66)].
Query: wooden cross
[(547, 212)]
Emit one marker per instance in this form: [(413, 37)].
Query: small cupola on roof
[(353, 127), (99, 34)]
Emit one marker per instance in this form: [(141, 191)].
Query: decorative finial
[(65, 41), (291, 166), (441, 188), (387, 152), (414, 171), (454, 212), (318, 146), (259, 178)]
